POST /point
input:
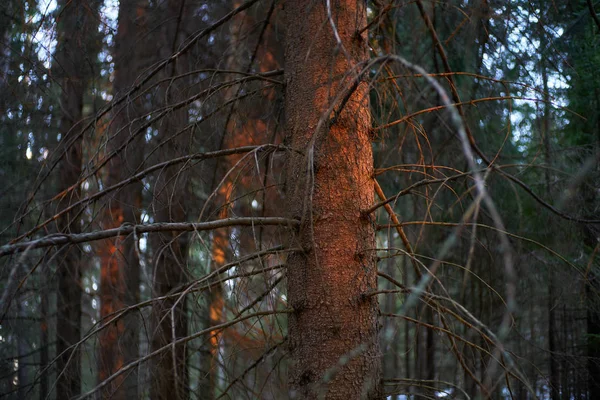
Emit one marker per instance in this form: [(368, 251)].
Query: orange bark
[(333, 330)]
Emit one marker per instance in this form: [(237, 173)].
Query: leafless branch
[(63, 239)]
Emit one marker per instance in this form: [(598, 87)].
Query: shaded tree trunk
[(169, 316), (120, 268), (76, 51), (220, 237), (44, 327), (333, 329), (169, 371), (6, 16), (591, 238), (249, 121), (593, 340), (23, 349), (545, 138)]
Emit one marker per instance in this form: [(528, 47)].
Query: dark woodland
[(299, 199)]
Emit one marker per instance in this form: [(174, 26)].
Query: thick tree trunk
[(333, 328), (120, 268), (76, 27)]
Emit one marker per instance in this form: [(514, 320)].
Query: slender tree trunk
[(430, 346), (420, 357), (6, 23), (76, 27), (554, 372), (22, 349), (120, 268), (591, 238), (333, 328), (533, 371), (44, 327), (593, 340), (545, 137), (407, 328), (565, 349)]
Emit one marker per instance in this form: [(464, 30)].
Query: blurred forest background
[(118, 118)]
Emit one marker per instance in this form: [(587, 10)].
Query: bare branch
[(62, 239)]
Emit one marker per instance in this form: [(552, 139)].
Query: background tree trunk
[(169, 372), (76, 49), (333, 328), (120, 267)]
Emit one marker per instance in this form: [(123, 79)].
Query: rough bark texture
[(333, 330), (76, 24), (120, 268)]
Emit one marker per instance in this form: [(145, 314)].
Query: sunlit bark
[(333, 330)]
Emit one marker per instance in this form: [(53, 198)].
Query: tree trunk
[(333, 329), (591, 238), (220, 237), (169, 371), (44, 327), (76, 27), (252, 46), (593, 339), (169, 316), (6, 23), (120, 268), (554, 372), (545, 138), (22, 350)]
